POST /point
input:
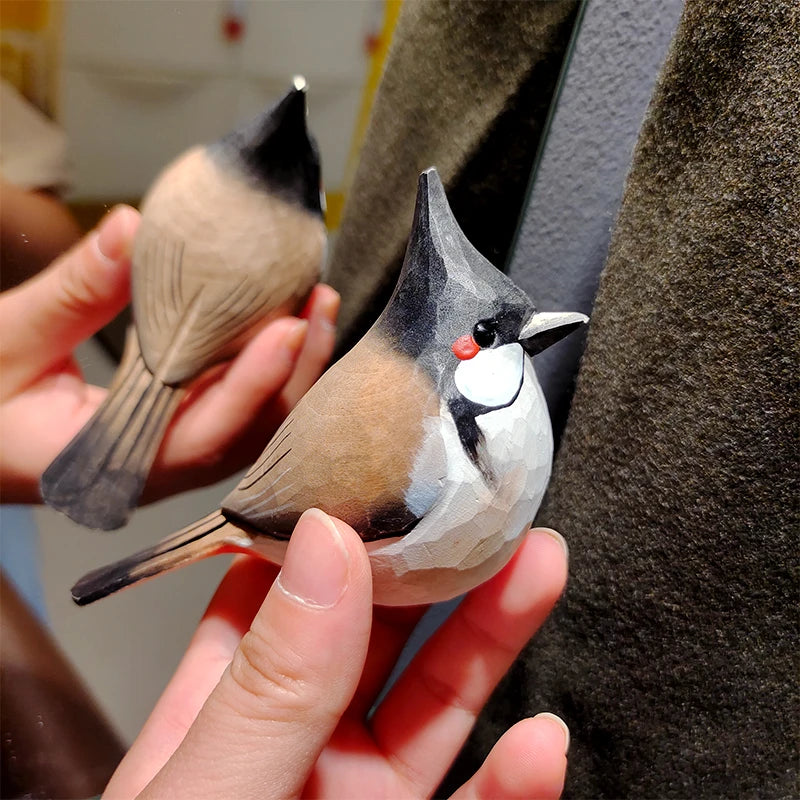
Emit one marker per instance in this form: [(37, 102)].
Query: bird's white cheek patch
[(492, 377)]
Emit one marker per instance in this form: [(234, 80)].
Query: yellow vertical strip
[(26, 52), (390, 15), (377, 59), (23, 15)]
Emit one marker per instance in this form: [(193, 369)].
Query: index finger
[(73, 298), (321, 312)]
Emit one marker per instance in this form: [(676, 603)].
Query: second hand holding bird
[(222, 421), (231, 237)]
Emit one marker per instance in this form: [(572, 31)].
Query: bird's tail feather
[(208, 536), (99, 476)]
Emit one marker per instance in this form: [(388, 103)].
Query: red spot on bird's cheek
[(465, 347)]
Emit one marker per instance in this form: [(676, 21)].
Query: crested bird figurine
[(431, 437), (231, 236)]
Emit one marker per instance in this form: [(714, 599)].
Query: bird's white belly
[(477, 522)]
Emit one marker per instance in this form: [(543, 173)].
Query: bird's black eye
[(485, 333)]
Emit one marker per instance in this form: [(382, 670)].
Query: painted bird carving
[(431, 437), (231, 236)]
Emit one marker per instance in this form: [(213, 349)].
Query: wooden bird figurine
[(231, 236), (431, 437)]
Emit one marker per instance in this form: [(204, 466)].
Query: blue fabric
[(19, 555)]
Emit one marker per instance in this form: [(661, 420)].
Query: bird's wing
[(349, 448), (186, 322)]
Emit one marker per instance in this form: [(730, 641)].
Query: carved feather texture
[(206, 537), (99, 476), (213, 260)]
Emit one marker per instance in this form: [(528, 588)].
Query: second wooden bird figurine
[(231, 236), (431, 437)]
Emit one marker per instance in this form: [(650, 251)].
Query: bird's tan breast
[(215, 258), (348, 447)]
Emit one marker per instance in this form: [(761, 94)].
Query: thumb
[(294, 673), (79, 293)]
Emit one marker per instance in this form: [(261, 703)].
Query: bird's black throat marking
[(464, 415)]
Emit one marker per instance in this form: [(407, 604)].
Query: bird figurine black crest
[(431, 437), (231, 236)]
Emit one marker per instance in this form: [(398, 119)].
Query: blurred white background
[(141, 80)]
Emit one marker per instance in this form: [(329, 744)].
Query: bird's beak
[(547, 328)]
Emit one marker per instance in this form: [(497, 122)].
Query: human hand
[(222, 423), (272, 696)]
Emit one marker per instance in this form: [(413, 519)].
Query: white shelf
[(142, 80)]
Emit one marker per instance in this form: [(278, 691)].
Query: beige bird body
[(231, 237), (473, 522), (213, 261)]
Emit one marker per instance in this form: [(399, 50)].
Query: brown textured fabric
[(55, 740), (674, 656), (466, 89)]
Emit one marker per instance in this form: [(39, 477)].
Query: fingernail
[(330, 308), (114, 234), (295, 338), (558, 537), (316, 568), (329, 311), (561, 724)]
